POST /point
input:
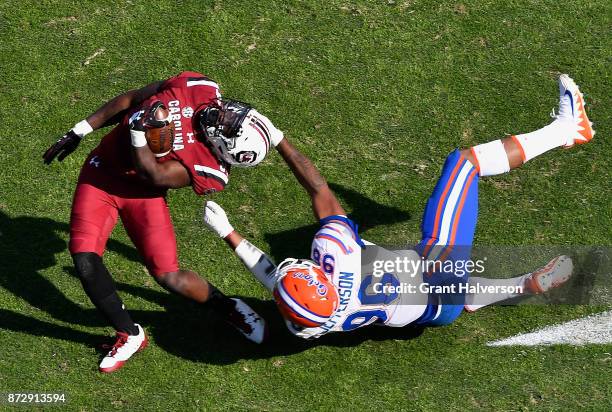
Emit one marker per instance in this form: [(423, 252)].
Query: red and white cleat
[(554, 274), (572, 109), (123, 349), (247, 322)]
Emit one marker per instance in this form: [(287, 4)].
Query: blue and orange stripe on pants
[(448, 227)]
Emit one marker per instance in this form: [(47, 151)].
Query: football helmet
[(236, 132), (303, 293)]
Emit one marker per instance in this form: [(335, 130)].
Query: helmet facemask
[(293, 263), (221, 124)]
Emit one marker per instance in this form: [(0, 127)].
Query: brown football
[(161, 139)]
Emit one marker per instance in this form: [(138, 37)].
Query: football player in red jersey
[(122, 178)]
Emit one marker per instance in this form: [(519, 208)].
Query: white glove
[(216, 219), (276, 136)]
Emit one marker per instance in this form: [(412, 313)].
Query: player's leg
[(448, 227), (571, 126), (149, 225), (93, 216), (443, 214), (554, 274)]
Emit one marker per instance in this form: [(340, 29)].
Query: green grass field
[(377, 93)]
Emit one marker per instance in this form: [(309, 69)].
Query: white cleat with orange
[(554, 274), (572, 108)]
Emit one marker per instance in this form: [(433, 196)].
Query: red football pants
[(146, 220)]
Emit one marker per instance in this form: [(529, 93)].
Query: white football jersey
[(336, 247)]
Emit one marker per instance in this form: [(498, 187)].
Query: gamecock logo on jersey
[(187, 111)]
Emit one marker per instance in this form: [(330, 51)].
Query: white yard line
[(93, 56), (594, 329)]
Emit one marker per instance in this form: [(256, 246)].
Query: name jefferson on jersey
[(337, 248)]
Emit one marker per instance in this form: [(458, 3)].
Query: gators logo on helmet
[(303, 293)]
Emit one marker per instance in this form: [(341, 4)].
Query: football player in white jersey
[(329, 292)]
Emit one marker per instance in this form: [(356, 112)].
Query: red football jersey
[(183, 95)]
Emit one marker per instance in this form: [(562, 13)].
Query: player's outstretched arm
[(256, 261), (110, 113), (324, 202)]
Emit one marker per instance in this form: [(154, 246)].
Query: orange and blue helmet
[(303, 293)]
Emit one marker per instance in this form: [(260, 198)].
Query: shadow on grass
[(366, 212), (28, 245), (202, 337), (188, 331)]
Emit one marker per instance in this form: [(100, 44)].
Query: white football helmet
[(236, 132)]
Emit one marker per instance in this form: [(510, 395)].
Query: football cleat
[(247, 322), (554, 274), (572, 109), (303, 293), (122, 350)]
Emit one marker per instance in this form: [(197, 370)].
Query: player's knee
[(93, 275), (87, 265), (453, 158), (168, 280), (467, 153), (181, 281)]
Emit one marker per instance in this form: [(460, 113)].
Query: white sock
[(491, 158), (547, 138), (474, 302)]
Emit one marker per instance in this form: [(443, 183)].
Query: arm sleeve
[(264, 270), (258, 263)]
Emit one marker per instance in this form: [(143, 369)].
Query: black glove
[(155, 120), (149, 118), (137, 121), (63, 147)]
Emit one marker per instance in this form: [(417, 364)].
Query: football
[(161, 139)]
